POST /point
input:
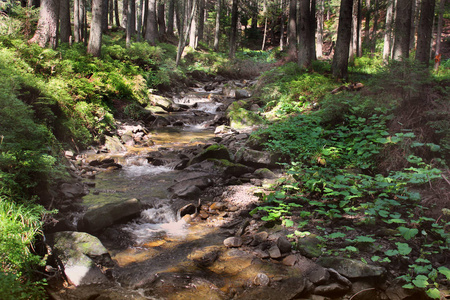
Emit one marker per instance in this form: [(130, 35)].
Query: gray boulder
[(79, 254), (163, 102), (113, 144), (190, 188), (351, 268), (214, 151), (99, 218), (255, 158), (72, 190)]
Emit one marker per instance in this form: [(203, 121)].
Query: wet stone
[(274, 252), (259, 238), (319, 276), (332, 290), (284, 245), (233, 242), (290, 260), (261, 279)]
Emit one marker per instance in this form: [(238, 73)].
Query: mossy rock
[(309, 246), (216, 151), (241, 117), (155, 109), (230, 168), (163, 102)]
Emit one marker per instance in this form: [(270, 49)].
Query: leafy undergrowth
[(339, 189)]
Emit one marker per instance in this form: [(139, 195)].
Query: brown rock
[(233, 242)]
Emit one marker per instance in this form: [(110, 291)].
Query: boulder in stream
[(216, 151), (80, 253), (190, 188), (101, 217), (113, 144), (163, 102), (255, 158), (351, 268)]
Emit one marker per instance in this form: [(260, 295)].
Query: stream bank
[(163, 212)]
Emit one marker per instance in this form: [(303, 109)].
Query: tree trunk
[(116, 12), (312, 32), (132, 17), (283, 20), (139, 20), (414, 22), (292, 39), (95, 37), (64, 18), (375, 29), (354, 40), (47, 28), (437, 59), (129, 27), (319, 34), (304, 50), (264, 35), (105, 16), (161, 20), (217, 29), (402, 29), (340, 59), (368, 11), (183, 37), (424, 33), (125, 13), (170, 18), (388, 31), (111, 12), (151, 31), (234, 29), (193, 29), (201, 21)]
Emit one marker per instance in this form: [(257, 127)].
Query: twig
[(361, 292), (445, 178)]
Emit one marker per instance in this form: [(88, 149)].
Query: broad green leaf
[(375, 258), (421, 281), (408, 286), (336, 235), (391, 252), (403, 248), (288, 223), (364, 239), (408, 233), (445, 271), (434, 293)]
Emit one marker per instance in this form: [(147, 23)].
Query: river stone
[(190, 188), (188, 209), (274, 252), (241, 94), (161, 101), (160, 122), (254, 158), (214, 151), (290, 260), (265, 173), (230, 169), (261, 279), (74, 250), (72, 190), (332, 290), (309, 246), (339, 277), (113, 144), (351, 268), (128, 139), (290, 288), (259, 238), (284, 245), (319, 276), (233, 242), (155, 110), (99, 218)]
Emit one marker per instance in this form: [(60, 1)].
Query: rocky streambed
[(162, 211)]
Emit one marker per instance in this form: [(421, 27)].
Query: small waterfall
[(156, 223)]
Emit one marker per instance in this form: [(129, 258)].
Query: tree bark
[(340, 60), (105, 15), (319, 31), (129, 24), (170, 18), (151, 31), (437, 59), (201, 21), (217, 29), (304, 49), (64, 18), (125, 13), (402, 29), (116, 12), (283, 20), (354, 40), (139, 20), (368, 11), (161, 20), (414, 22), (132, 18), (47, 28), (193, 28), (424, 33), (388, 31), (373, 42), (183, 37), (111, 12), (95, 37), (292, 39), (234, 29), (312, 32)]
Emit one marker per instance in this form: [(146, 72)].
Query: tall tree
[(161, 20), (283, 20), (64, 21), (184, 30), (368, 11), (437, 60), (425, 31), (111, 12), (388, 31), (132, 17), (201, 20), (151, 28), (354, 44), (339, 66), (47, 28), (128, 23), (319, 31), (373, 41), (292, 39), (105, 15), (170, 18), (312, 32), (234, 29), (305, 54), (193, 28), (402, 29), (116, 12), (139, 19), (217, 28), (95, 37)]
